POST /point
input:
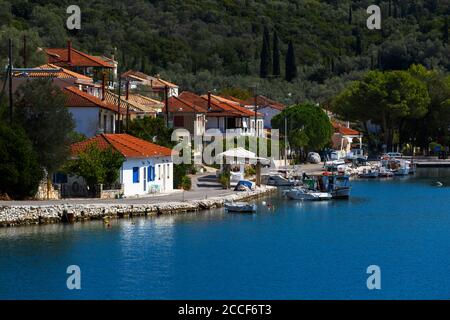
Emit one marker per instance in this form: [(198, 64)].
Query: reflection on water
[(288, 250)]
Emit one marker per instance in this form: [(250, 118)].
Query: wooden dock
[(433, 164)]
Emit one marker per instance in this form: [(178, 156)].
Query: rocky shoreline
[(69, 213)]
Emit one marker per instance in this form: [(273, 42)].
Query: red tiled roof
[(264, 101), (180, 105), (129, 146), (78, 98), (60, 73), (218, 105), (155, 82), (338, 128), (60, 57), (240, 101), (234, 106)]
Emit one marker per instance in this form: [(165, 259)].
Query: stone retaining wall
[(40, 214)]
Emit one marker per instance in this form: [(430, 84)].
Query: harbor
[(287, 250)]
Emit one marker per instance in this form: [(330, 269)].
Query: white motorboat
[(385, 173), (242, 207), (369, 174), (307, 195), (279, 181)]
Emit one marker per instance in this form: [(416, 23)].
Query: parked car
[(313, 157)]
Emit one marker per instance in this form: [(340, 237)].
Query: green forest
[(211, 45)]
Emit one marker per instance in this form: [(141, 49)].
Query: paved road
[(203, 186)]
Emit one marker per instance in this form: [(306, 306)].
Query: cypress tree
[(395, 9), (350, 14), (265, 56), (276, 56), (291, 67), (445, 31), (359, 43)]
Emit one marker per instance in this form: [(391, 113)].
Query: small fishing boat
[(339, 187), (279, 181), (369, 174), (385, 173), (241, 207), (307, 195), (403, 170)]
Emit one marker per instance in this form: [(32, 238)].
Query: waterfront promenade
[(205, 194)]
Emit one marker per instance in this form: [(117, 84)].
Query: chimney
[(69, 50), (103, 86)]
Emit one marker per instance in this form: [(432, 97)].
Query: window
[(104, 123), (135, 174), (151, 173), (160, 172), (168, 171)]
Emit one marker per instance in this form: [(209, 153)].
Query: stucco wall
[(163, 176)]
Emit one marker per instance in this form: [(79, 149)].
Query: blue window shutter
[(153, 173), (135, 174)]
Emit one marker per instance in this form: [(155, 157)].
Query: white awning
[(240, 155)]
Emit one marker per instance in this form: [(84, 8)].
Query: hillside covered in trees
[(210, 45)]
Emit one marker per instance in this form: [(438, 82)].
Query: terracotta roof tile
[(60, 57), (264, 101), (129, 146), (78, 98), (62, 74), (338, 128), (154, 82)]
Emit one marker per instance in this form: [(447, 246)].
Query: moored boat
[(369, 174), (307, 195), (279, 181), (385, 173), (241, 207)]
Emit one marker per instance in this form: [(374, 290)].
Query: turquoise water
[(292, 251)]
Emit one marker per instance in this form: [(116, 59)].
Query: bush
[(19, 169), (186, 183), (249, 171), (224, 179)]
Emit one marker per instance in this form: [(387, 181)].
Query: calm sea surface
[(293, 250)]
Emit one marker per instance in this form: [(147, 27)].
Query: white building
[(147, 169), (91, 114), (267, 107)]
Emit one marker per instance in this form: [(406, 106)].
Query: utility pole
[(166, 97), (118, 105), (128, 104), (24, 51), (285, 141), (10, 56), (256, 115)]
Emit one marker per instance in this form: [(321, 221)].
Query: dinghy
[(242, 207), (307, 195)]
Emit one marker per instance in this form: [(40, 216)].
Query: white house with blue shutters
[(147, 176), (147, 167)]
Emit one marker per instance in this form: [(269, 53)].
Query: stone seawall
[(41, 214)]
